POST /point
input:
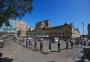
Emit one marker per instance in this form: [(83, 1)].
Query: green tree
[(12, 9)]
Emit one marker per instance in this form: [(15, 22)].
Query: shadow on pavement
[(36, 50), (65, 49), (6, 59), (51, 61), (54, 51), (45, 53), (82, 59)]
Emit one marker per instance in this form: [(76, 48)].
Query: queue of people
[(36, 44), (28, 42)]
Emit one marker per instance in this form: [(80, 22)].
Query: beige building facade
[(65, 31), (21, 28)]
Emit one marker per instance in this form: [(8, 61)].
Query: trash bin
[(1, 43)]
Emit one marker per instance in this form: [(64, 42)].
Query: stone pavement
[(22, 54)]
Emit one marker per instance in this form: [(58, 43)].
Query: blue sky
[(59, 12)]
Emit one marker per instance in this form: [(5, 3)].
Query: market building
[(66, 31)]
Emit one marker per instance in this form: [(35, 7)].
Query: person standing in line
[(26, 42), (71, 42), (35, 45), (22, 42), (29, 43), (81, 43), (41, 46), (50, 45), (58, 46), (84, 43), (66, 44)]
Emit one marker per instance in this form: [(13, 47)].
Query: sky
[(59, 12)]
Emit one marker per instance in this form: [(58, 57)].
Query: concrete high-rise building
[(88, 31), (43, 24)]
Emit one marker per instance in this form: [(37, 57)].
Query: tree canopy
[(11, 9)]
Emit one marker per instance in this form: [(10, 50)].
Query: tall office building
[(88, 31)]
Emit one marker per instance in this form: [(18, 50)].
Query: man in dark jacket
[(71, 42), (41, 46), (50, 45), (58, 46), (66, 44)]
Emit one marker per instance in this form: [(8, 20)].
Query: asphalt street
[(23, 54)]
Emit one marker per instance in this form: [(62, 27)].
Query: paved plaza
[(24, 54)]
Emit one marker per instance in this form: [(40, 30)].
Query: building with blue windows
[(88, 31), (8, 31)]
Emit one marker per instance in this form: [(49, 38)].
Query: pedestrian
[(81, 43), (41, 46), (29, 43), (35, 45), (66, 44), (1, 54), (50, 46), (84, 43), (58, 46), (71, 42), (26, 42)]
